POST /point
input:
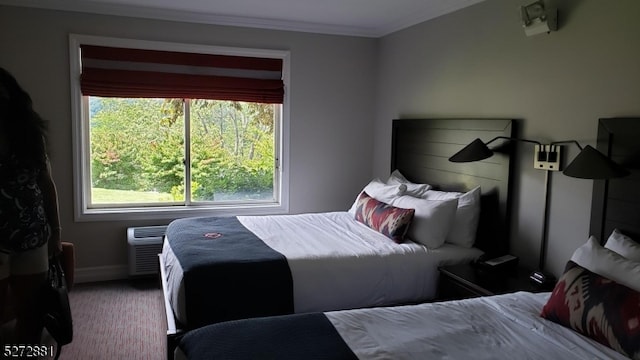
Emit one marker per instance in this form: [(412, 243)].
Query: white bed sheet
[(338, 263), (498, 327)]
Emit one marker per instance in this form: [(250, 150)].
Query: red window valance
[(123, 72)]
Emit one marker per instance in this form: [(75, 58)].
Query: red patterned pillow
[(598, 308), (389, 220)]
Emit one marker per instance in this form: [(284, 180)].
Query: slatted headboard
[(421, 149), (616, 202)]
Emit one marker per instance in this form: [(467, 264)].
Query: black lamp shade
[(475, 151), (592, 164)]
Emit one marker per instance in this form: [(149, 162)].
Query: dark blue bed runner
[(290, 337), (229, 273)]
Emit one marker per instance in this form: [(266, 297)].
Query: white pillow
[(432, 219), (465, 224), (379, 191), (623, 245), (604, 262), (413, 189)]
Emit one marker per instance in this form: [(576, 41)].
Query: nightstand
[(467, 281)]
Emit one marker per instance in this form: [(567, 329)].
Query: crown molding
[(96, 7), (438, 9), (191, 17)]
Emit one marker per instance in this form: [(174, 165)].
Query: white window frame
[(80, 132)]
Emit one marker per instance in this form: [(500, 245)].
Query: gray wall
[(477, 62), (332, 92)]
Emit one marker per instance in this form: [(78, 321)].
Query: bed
[(592, 313), (304, 263), (500, 327)]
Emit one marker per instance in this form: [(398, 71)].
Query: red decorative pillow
[(598, 308), (388, 220)]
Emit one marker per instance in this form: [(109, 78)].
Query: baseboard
[(101, 273)]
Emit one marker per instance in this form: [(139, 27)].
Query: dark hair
[(26, 130)]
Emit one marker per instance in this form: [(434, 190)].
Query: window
[(170, 130)]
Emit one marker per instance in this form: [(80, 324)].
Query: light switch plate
[(547, 157)]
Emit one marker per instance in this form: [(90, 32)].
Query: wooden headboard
[(616, 202), (421, 149)]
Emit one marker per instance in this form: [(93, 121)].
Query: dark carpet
[(117, 320)]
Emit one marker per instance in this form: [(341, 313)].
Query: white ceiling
[(371, 18)]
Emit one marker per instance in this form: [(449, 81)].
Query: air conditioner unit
[(145, 243)]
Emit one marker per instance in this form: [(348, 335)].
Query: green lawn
[(108, 196)]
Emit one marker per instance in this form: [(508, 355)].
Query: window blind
[(124, 72)]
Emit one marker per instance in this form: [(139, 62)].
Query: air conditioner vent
[(145, 243), (149, 231)]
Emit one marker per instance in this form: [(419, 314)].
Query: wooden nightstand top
[(487, 282)]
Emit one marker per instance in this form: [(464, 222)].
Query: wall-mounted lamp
[(538, 18), (592, 164), (589, 164)]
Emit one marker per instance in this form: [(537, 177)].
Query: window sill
[(176, 212)]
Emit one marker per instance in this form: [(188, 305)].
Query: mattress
[(338, 263)]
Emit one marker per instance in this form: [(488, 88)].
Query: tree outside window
[(154, 151)]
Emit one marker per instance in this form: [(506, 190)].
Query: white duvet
[(338, 263), (498, 327)]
